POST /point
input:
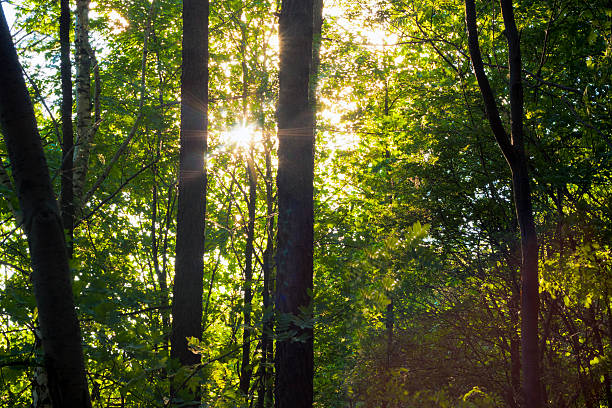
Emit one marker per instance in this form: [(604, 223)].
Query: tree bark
[(515, 358), (188, 281), (246, 371), (59, 326), (514, 152), (84, 104), (317, 25), (6, 182), (265, 397), (294, 279), (160, 271), (245, 367), (67, 194)]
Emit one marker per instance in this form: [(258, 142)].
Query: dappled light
[(306, 204)]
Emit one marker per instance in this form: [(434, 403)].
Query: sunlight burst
[(242, 136)]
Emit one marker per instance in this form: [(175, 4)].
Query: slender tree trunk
[(59, 326), (188, 281), (294, 280), (607, 379), (246, 371), (265, 397), (245, 367), (515, 355), (159, 273), (389, 323), (160, 270), (66, 196), (530, 297), (514, 151), (84, 105)]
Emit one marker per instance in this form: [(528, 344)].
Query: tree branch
[(501, 136), (128, 139), (110, 197)]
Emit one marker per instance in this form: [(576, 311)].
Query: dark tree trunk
[(515, 358), (188, 281), (317, 25), (513, 149), (607, 379), (59, 325), (245, 370), (265, 397), (160, 271), (389, 323), (67, 195), (245, 367), (294, 355)]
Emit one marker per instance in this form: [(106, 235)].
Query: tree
[(59, 325), (246, 370), (513, 149), (294, 278), (85, 129), (67, 193), (188, 281), (265, 397)]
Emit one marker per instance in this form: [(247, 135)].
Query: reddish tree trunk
[(512, 147)]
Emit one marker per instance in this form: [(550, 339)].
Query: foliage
[(416, 252)]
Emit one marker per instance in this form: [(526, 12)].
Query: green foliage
[(417, 252)]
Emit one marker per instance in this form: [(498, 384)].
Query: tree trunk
[(265, 397), (83, 99), (515, 359), (41, 397), (514, 151), (245, 367), (59, 325), (246, 371), (294, 280), (317, 25), (67, 195), (160, 271), (188, 281), (6, 182), (389, 325)]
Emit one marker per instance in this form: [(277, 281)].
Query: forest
[(306, 203)]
